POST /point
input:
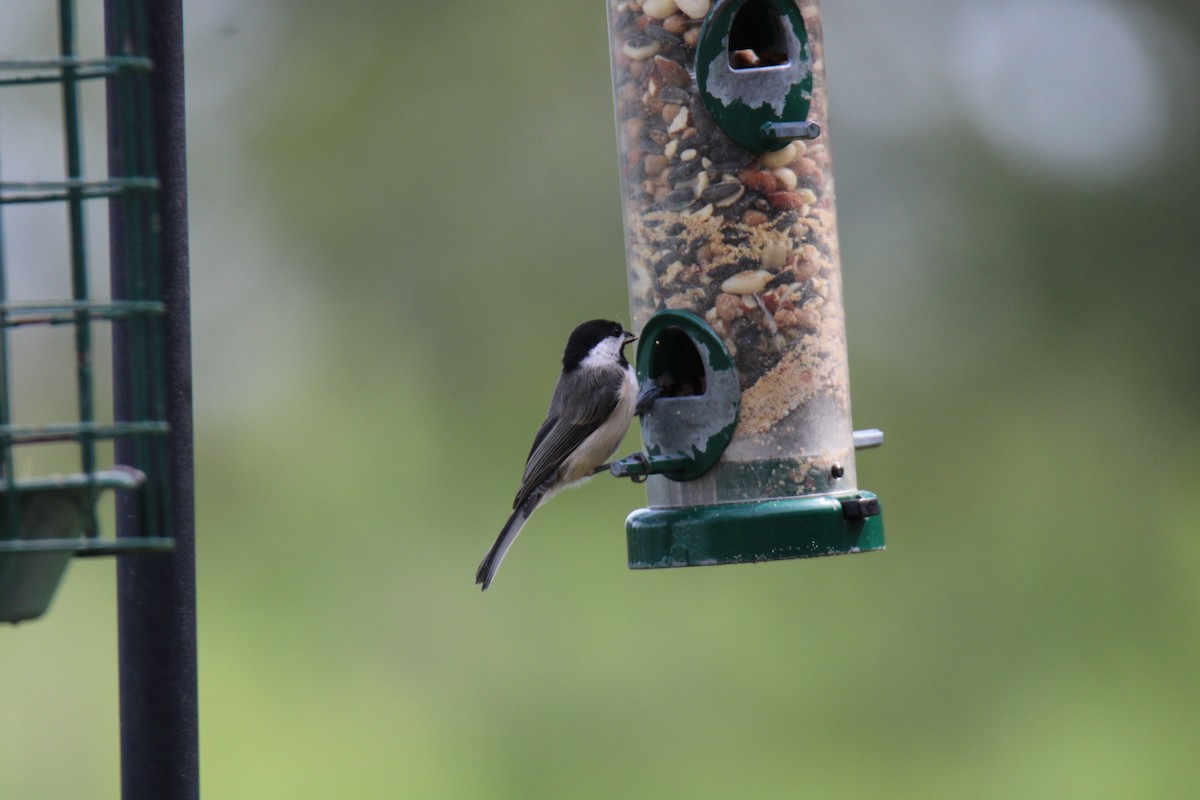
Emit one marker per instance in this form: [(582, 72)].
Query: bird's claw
[(643, 459), (621, 469), (646, 399)]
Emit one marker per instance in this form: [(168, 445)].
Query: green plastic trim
[(738, 533), (692, 428), (746, 103)]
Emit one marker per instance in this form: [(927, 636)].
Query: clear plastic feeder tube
[(744, 239)]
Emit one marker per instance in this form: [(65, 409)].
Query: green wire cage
[(101, 427)]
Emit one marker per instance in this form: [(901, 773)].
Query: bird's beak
[(629, 337)]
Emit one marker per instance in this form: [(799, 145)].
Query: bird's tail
[(508, 535)]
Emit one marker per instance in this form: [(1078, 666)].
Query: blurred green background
[(398, 212)]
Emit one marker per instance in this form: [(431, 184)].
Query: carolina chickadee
[(590, 411)]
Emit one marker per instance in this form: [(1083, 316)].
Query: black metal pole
[(156, 592)]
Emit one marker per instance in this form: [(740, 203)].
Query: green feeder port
[(735, 284), (754, 74)]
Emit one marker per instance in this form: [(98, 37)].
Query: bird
[(590, 411)]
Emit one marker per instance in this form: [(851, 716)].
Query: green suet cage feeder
[(111, 437), (735, 285)]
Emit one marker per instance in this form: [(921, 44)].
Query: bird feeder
[(735, 285), (110, 435)]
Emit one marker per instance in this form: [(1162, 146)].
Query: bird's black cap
[(588, 335)]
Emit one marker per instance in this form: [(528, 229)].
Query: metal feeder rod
[(156, 593)]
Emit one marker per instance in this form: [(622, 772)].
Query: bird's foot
[(643, 459), (646, 398)]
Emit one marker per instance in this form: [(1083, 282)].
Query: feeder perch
[(45, 519), (735, 283)]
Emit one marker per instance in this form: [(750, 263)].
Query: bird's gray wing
[(574, 415)]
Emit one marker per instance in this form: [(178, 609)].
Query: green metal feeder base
[(46, 521), (767, 530)]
